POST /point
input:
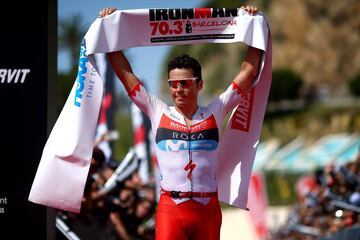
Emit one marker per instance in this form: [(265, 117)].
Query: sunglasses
[(184, 83)]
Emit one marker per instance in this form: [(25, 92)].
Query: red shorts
[(188, 220)]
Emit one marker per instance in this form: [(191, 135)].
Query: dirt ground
[(237, 225)]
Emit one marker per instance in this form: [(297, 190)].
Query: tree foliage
[(71, 32), (285, 85), (317, 39), (354, 85)]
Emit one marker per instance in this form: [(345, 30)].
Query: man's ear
[(200, 84)]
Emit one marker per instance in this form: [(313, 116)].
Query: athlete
[(187, 138)]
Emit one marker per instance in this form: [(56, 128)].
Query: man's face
[(184, 90)]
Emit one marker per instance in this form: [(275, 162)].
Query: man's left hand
[(250, 9)]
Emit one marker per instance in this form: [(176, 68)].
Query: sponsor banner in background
[(102, 130), (258, 203), (140, 132), (27, 78), (13, 75)]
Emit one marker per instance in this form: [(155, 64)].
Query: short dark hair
[(185, 61), (99, 156)]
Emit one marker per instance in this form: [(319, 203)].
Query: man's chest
[(174, 133)]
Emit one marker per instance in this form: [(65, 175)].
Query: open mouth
[(180, 99)]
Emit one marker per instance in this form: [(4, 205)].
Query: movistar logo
[(182, 145), (81, 75), (190, 13)]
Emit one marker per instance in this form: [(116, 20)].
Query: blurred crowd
[(124, 210), (330, 205)]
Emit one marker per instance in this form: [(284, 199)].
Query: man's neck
[(187, 112)]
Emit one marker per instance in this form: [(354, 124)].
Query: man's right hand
[(106, 11), (119, 61)]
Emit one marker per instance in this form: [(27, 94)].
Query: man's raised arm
[(119, 62), (251, 64), (123, 70), (249, 69)]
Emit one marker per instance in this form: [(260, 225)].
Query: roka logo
[(13, 75)]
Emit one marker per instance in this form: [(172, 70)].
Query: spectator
[(328, 208)]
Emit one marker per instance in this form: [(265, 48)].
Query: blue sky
[(146, 61)]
